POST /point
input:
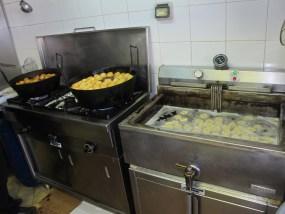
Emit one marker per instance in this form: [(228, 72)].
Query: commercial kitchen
[(142, 106)]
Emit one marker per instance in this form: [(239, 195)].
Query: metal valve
[(191, 172)]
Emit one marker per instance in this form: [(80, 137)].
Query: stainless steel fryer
[(249, 167)]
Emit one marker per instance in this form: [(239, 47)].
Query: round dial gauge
[(221, 61)]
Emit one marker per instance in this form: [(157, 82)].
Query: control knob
[(198, 74), (89, 148)]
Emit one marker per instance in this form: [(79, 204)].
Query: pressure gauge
[(221, 62)]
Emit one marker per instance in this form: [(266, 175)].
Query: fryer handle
[(132, 57)]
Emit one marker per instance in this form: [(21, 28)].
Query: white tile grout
[(266, 29), (128, 11), (226, 27), (190, 35)]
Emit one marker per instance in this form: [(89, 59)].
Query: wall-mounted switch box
[(162, 11)]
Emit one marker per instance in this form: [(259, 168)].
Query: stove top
[(62, 100)]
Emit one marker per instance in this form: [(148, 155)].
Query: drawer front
[(230, 167)]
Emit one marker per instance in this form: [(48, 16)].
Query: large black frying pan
[(107, 97), (36, 89)]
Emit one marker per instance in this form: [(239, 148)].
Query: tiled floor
[(50, 201)]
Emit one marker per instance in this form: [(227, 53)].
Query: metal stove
[(71, 147), (62, 100), (211, 141)]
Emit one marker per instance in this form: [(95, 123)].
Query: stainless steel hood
[(86, 51)]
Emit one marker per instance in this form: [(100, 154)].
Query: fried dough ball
[(102, 80), (37, 78)]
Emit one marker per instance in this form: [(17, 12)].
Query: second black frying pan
[(36, 89)]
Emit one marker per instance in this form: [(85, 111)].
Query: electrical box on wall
[(162, 11)]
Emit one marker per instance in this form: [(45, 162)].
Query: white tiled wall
[(246, 30)]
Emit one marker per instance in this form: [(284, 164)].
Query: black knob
[(89, 148), (25, 130)]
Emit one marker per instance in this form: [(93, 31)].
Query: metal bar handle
[(59, 65), (282, 32), (70, 160), (137, 53), (59, 61), (83, 29), (2, 64)]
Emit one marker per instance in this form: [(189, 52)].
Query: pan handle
[(4, 76), (133, 47), (59, 61), (59, 66)]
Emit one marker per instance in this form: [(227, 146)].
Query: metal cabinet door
[(156, 192), (49, 162), (96, 176), (157, 198)]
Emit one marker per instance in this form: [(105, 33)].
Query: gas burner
[(106, 113), (63, 100), (36, 99), (60, 102)]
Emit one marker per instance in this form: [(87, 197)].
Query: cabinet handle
[(107, 172), (70, 160), (59, 154)]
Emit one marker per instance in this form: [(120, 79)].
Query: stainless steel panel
[(58, 154), (155, 198), (88, 177), (41, 126), (244, 76), (87, 51), (157, 192), (84, 173), (220, 164), (251, 80)]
